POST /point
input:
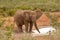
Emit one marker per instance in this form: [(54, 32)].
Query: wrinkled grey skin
[(25, 17)]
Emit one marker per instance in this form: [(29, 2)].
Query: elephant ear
[(38, 13)]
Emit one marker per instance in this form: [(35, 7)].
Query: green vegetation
[(7, 33), (54, 21), (8, 7), (1, 22)]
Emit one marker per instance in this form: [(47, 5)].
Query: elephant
[(26, 17)]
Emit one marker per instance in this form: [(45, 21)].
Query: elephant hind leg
[(20, 28)]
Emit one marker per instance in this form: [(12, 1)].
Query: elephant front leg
[(26, 26), (31, 25)]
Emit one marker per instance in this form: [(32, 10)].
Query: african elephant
[(26, 17)]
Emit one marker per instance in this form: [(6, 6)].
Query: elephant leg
[(26, 26), (36, 27), (31, 25), (19, 27)]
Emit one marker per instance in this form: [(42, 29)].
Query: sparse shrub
[(10, 12), (44, 5), (7, 33), (24, 7), (54, 21), (1, 22)]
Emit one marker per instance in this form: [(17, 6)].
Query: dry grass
[(18, 36)]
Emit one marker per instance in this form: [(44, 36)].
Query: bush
[(1, 22), (8, 7), (10, 12), (7, 33), (54, 21)]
